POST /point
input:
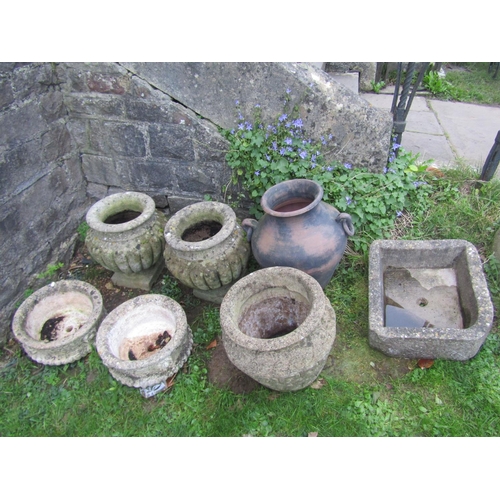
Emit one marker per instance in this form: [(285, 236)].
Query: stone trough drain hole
[(201, 231), (122, 217), (422, 302)]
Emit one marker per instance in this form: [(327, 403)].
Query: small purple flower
[(257, 172), (257, 105), (275, 146), (419, 183), (348, 166), (283, 117), (330, 137), (249, 126), (396, 146), (329, 169), (241, 126), (232, 131), (323, 141), (268, 158), (282, 151), (297, 123), (348, 200), (237, 102), (288, 141), (399, 213), (303, 154), (288, 91)]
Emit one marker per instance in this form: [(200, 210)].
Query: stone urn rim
[(273, 196), (57, 288), (216, 211), (244, 286), (104, 208), (113, 317)]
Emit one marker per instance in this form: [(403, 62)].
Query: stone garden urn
[(126, 236), (299, 230), (278, 327), (145, 340), (206, 249), (58, 323)]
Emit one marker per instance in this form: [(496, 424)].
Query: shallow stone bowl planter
[(278, 327), (126, 236), (58, 323), (428, 299), (206, 249), (128, 340)]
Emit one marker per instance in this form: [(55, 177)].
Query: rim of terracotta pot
[(204, 211), (43, 294), (295, 280), (289, 191), (116, 203), (122, 312)]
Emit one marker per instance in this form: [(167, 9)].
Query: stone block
[(361, 134), (18, 125), (428, 299), (171, 141), (116, 138)]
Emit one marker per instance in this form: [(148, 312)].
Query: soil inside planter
[(122, 217), (143, 347), (50, 329), (273, 317), (201, 231)]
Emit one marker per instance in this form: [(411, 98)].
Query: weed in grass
[(50, 271)]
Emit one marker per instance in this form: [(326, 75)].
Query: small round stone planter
[(58, 323), (206, 249), (126, 236), (278, 327), (145, 340)]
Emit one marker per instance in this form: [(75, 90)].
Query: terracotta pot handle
[(346, 223), (249, 225)]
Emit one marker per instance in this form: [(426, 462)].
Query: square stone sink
[(428, 299)]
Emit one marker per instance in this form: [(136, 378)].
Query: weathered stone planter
[(126, 236), (428, 299), (58, 323), (278, 327), (206, 248), (145, 340)]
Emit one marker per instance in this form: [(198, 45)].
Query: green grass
[(471, 84), (364, 394)]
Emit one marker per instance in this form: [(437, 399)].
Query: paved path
[(447, 132)]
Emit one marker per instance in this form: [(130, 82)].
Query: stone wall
[(132, 136), (42, 190), (72, 133)]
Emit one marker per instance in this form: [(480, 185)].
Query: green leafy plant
[(262, 155), (377, 86), (50, 271), (170, 287), (82, 231)]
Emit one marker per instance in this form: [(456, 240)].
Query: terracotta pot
[(278, 327), (299, 230), (206, 248), (58, 323), (126, 232)]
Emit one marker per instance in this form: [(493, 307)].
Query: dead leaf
[(212, 345), (170, 381), (425, 363), (318, 384), (312, 435)]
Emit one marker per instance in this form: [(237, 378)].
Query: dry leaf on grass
[(212, 345), (425, 363), (318, 384)]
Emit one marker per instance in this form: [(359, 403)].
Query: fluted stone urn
[(206, 248), (126, 236), (58, 323)]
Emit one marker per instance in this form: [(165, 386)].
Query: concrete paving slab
[(446, 132), (471, 129), (429, 147)]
